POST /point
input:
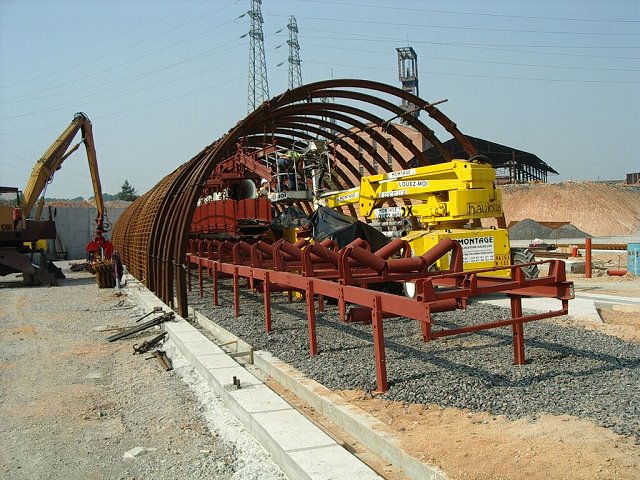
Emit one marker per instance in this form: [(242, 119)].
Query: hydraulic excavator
[(18, 231), (445, 200)]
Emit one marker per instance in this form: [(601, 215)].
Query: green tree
[(127, 192)]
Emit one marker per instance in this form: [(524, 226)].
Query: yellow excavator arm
[(52, 159)]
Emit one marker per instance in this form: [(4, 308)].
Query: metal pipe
[(587, 263), (394, 246)]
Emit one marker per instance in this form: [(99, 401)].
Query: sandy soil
[(596, 208), (479, 446), (469, 445)]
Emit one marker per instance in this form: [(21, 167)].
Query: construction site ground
[(468, 445), (72, 405)]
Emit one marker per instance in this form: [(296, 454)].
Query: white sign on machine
[(477, 249)]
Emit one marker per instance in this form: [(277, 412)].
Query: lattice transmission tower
[(408, 74), (258, 85), (295, 72)]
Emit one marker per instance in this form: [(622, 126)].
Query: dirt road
[(72, 404)]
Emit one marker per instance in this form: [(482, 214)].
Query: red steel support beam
[(378, 344), (587, 260), (266, 285), (311, 317), (518, 330), (236, 293)]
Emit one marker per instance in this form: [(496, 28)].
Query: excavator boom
[(52, 160)]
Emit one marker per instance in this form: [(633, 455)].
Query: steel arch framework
[(152, 234)]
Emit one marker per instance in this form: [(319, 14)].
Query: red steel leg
[(267, 303), (189, 274), (216, 300), (200, 285), (311, 315), (236, 292), (378, 344), (426, 331), (518, 331), (321, 303)]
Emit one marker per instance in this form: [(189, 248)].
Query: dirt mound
[(598, 208), (528, 229), (117, 204), (568, 231)]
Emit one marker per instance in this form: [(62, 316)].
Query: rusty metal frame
[(344, 274)]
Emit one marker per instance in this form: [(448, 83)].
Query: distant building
[(512, 165), (381, 152), (633, 178)]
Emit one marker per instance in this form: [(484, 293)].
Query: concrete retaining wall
[(76, 227)]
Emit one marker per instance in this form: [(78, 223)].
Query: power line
[(113, 67), (466, 60), (475, 14), (118, 51), (120, 82), (449, 27), (475, 75), (363, 37)]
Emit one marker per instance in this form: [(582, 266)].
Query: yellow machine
[(16, 228), (443, 200)]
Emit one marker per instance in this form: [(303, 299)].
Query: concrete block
[(328, 463), (217, 360), (223, 376), (289, 429), (203, 347), (185, 336), (180, 326), (259, 399)]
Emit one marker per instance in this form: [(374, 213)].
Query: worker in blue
[(297, 167), (286, 171)]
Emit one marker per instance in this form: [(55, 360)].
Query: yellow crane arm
[(447, 192), (87, 136), (52, 160)]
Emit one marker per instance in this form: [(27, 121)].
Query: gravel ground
[(569, 371), (72, 404)]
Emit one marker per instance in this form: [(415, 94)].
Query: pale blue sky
[(162, 79)]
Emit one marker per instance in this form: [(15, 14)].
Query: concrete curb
[(296, 445), (368, 430)]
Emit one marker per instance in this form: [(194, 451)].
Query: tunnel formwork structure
[(152, 234)]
